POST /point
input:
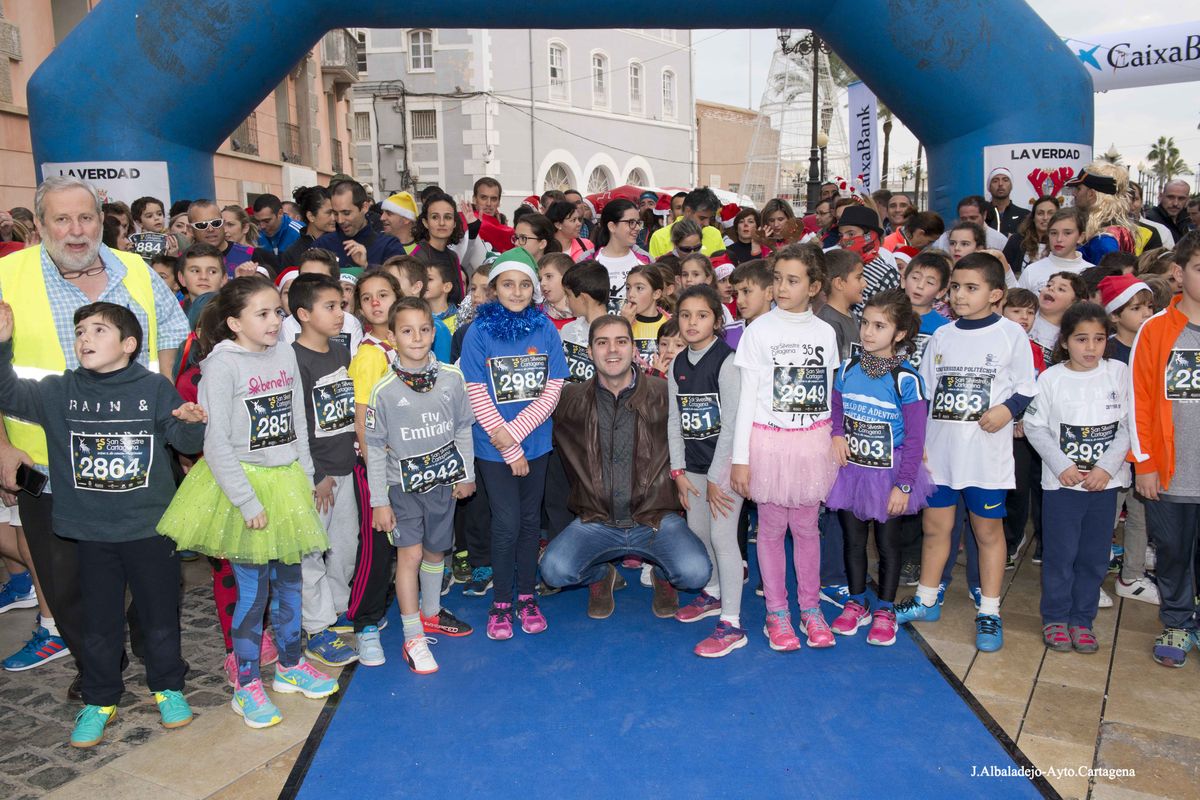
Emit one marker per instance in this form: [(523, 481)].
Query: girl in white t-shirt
[(616, 247), (1065, 233)]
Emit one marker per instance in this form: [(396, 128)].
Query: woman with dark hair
[(438, 229), (567, 222), (317, 213), (745, 245), (1030, 242), (616, 247)]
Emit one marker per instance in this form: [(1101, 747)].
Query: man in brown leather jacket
[(611, 434)]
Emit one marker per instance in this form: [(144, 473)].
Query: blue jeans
[(580, 554)]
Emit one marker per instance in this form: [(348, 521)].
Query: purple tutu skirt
[(791, 467), (864, 491)]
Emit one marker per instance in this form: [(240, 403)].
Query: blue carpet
[(621, 708)]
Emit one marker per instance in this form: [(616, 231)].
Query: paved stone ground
[(36, 717)]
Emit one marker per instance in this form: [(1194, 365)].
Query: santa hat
[(727, 213), (350, 275), (722, 266), (518, 260), (1117, 290), (401, 203), (663, 207), (532, 201), (285, 278), (846, 188), (591, 207)]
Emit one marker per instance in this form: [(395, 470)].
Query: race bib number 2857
[(270, 420)]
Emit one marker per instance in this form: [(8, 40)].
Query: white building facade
[(535, 109)]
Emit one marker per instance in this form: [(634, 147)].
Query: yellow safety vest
[(37, 351)]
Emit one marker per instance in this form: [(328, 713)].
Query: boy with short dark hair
[(587, 289), (844, 271), (163, 265), (319, 261), (108, 424), (200, 270), (754, 291), (315, 300), (925, 280), (439, 283)]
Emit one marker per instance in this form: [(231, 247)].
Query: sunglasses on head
[(209, 223)]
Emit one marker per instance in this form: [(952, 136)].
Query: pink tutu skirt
[(864, 491), (793, 467)]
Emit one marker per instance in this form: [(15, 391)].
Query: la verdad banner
[(1147, 57)]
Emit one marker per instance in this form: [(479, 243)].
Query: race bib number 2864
[(111, 463)]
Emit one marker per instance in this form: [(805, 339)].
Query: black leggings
[(887, 540)]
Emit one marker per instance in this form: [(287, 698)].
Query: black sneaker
[(1037, 553), (461, 567), (758, 590), (910, 573), (544, 589), (480, 583), (447, 581), (445, 624), (1010, 562)]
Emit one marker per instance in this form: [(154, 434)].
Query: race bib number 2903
[(111, 463), (518, 379), (270, 420)]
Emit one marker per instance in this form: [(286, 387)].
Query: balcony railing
[(339, 56), (335, 154), (244, 138), (289, 142)]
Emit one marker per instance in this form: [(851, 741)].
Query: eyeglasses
[(521, 239), (695, 249), (210, 223), (634, 224)]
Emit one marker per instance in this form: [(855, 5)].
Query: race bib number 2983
[(962, 398)]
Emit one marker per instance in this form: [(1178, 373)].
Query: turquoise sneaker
[(989, 633), (173, 709), (90, 724), (913, 610), (254, 707), (305, 679)]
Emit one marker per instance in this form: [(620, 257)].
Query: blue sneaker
[(913, 610), (370, 651), (330, 649), (976, 596), (41, 649), (342, 624), (989, 633), (941, 593), (254, 707), (13, 595), (836, 593), (90, 724), (480, 583), (304, 679)]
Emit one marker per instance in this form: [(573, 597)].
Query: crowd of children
[(355, 431)]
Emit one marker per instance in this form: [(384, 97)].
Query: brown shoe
[(666, 599), (600, 601)]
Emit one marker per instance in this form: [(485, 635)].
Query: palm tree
[(1166, 161)]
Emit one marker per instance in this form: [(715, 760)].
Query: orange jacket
[(1151, 426)]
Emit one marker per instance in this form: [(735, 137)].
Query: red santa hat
[(533, 201), (722, 266), (727, 213), (285, 278), (1117, 290)]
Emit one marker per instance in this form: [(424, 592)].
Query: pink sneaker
[(852, 618), (499, 624), (816, 629), (883, 628), (631, 562), (231, 670), (722, 641), (532, 619), (778, 630), (705, 605), (269, 654)]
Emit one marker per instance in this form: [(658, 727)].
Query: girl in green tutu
[(250, 499)]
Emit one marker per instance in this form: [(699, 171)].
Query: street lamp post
[(809, 44)]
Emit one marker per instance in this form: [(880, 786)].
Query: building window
[(668, 94), (599, 181), (362, 52), (635, 88), (599, 79), (362, 126), (420, 51), (557, 177), (637, 178), (424, 124), (558, 72)]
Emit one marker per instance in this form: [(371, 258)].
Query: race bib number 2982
[(517, 379)]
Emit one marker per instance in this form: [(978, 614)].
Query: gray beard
[(68, 263)]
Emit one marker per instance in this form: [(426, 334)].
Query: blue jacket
[(289, 231), (380, 246)]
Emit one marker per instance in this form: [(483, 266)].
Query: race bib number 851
[(962, 398), (1183, 375), (270, 420), (111, 463), (518, 379), (800, 390), (699, 415)]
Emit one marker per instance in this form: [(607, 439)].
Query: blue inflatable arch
[(962, 74)]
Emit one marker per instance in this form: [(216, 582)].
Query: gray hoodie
[(255, 405)]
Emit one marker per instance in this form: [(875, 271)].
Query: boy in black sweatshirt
[(107, 426)]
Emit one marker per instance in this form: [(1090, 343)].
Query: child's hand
[(1096, 480), (6, 322), (897, 502), (502, 439), (323, 494), (247, 269), (1019, 429), (661, 362), (684, 487), (189, 412), (257, 522), (841, 450), (1071, 476), (383, 519), (520, 467), (739, 479), (719, 503), (1148, 486), (628, 311), (462, 491), (995, 418)]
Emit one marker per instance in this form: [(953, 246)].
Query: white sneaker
[(647, 574), (1106, 600), (416, 653), (370, 651), (1142, 589), (1151, 557)]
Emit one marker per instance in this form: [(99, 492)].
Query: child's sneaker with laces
[(816, 629), (90, 724), (42, 648), (445, 624), (1142, 589), (330, 649), (417, 654), (836, 593), (532, 619), (14, 596), (913, 610), (989, 633), (499, 624), (254, 707), (173, 709), (704, 605), (231, 670), (303, 679), (853, 617), (480, 583), (1172, 646), (779, 633), (370, 649), (883, 628), (722, 641), (268, 653)]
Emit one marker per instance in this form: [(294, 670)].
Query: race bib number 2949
[(800, 390)]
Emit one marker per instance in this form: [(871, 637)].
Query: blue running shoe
[(330, 649), (343, 624), (941, 593), (90, 724), (913, 610), (480, 583), (254, 707), (304, 679), (41, 649), (989, 633), (976, 596), (836, 593), (18, 592)]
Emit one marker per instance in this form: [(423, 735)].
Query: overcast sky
[(1130, 119)]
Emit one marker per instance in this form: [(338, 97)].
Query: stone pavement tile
[(1165, 765), (1105, 790), (109, 782), (1065, 713), (1077, 669), (957, 655), (1140, 618), (1008, 711), (265, 781), (1015, 665), (1149, 695), (1049, 754)]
